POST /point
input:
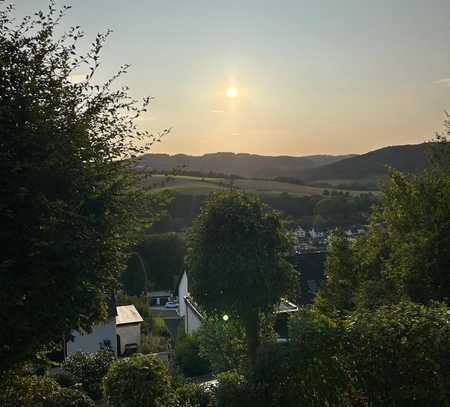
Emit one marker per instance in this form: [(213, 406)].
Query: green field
[(204, 186)]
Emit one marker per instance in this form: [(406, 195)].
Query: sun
[(232, 92)]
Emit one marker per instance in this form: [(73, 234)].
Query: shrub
[(26, 391), (138, 381), (66, 379), (65, 397), (89, 369), (395, 356), (233, 390), (304, 372), (399, 355), (223, 345), (194, 395), (40, 391), (187, 356)]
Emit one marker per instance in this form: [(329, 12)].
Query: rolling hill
[(244, 165), (361, 169), (405, 158)]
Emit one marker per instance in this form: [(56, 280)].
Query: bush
[(138, 381), (395, 356), (38, 391), (187, 356), (26, 391), (306, 371), (194, 395), (233, 390), (66, 379), (223, 345), (399, 355), (89, 369), (69, 398)]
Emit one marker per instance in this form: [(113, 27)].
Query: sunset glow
[(232, 92)]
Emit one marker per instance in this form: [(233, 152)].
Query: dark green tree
[(139, 381), (223, 344), (236, 261), (187, 356), (406, 254), (336, 292), (398, 355), (163, 255), (416, 218), (69, 201)]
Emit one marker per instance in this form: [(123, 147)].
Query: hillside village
[(132, 277)]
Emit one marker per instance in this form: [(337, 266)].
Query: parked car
[(171, 304)]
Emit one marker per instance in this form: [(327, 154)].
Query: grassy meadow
[(204, 186)]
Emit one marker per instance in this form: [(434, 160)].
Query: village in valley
[(261, 219)]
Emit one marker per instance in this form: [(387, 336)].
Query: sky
[(312, 77)]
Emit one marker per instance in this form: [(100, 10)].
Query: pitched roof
[(128, 314), (193, 306)]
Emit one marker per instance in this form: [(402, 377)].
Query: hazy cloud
[(217, 111)]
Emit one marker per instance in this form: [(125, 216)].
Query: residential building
[(128, 328), (121, 332), (192, 317)]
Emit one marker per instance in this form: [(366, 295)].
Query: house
[(159, 298), (102, 335), (121, 332), (316, 233), (189, 311), (300, 233), (128, 329)]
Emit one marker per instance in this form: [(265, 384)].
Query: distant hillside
[(246, 165), (405, 158)]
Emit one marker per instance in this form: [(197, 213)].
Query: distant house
[(159, 298), (121, 332), (300, 233), (187, 309), (128, 328), (102, 335), (190, 313), (316, 233)]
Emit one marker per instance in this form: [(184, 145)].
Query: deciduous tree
[(69, 200), (236, 261)]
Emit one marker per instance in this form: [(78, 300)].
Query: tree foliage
[(233, 390), (138, 381), (399, 354), (395, 356), (406, 254), (188, 357), (236, 260), (69, 201), (306, 371), (337, 290), (38, 391), (223, 344), (160, 262), (194, 395), (89, 369)]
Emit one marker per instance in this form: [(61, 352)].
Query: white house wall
[(93, 341), (182, 293), (191, 321), (129, 334)]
